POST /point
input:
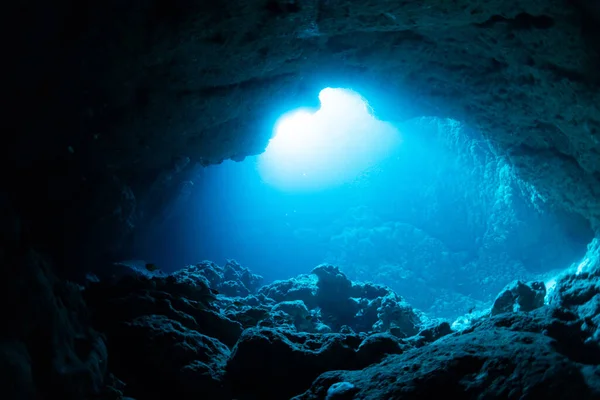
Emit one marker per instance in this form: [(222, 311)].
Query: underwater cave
[(428, 207), (302, 200)]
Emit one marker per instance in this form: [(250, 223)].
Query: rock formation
[(111, 103)]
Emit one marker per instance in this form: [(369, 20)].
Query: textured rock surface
[(551, 352), (173, 336), (284, 349), (170, 335), (129, 94), (292, 361), (499, 363), (47, 345), (519, 296)]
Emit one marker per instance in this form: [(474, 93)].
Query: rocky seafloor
[(213, 332)]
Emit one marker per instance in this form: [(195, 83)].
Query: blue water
[(442, 219), (233, 214)]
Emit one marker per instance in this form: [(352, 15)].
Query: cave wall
[(111, 96)]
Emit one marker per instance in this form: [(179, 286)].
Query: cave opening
[(315, 150), (427, 207)]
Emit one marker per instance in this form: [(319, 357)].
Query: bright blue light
[(328, 147)]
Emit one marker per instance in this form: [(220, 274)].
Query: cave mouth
[(440, 216), (313, 150)]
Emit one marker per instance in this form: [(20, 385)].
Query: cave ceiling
[(119, 91)]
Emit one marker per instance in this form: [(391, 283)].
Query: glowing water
[(328, 147)]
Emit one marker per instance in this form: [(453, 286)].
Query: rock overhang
[(134, 88)]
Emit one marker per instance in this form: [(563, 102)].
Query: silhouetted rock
[(292, 360), (47, 344), (490, 364), (519, 296), (167, 359), (232, 279), (173, 336)]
